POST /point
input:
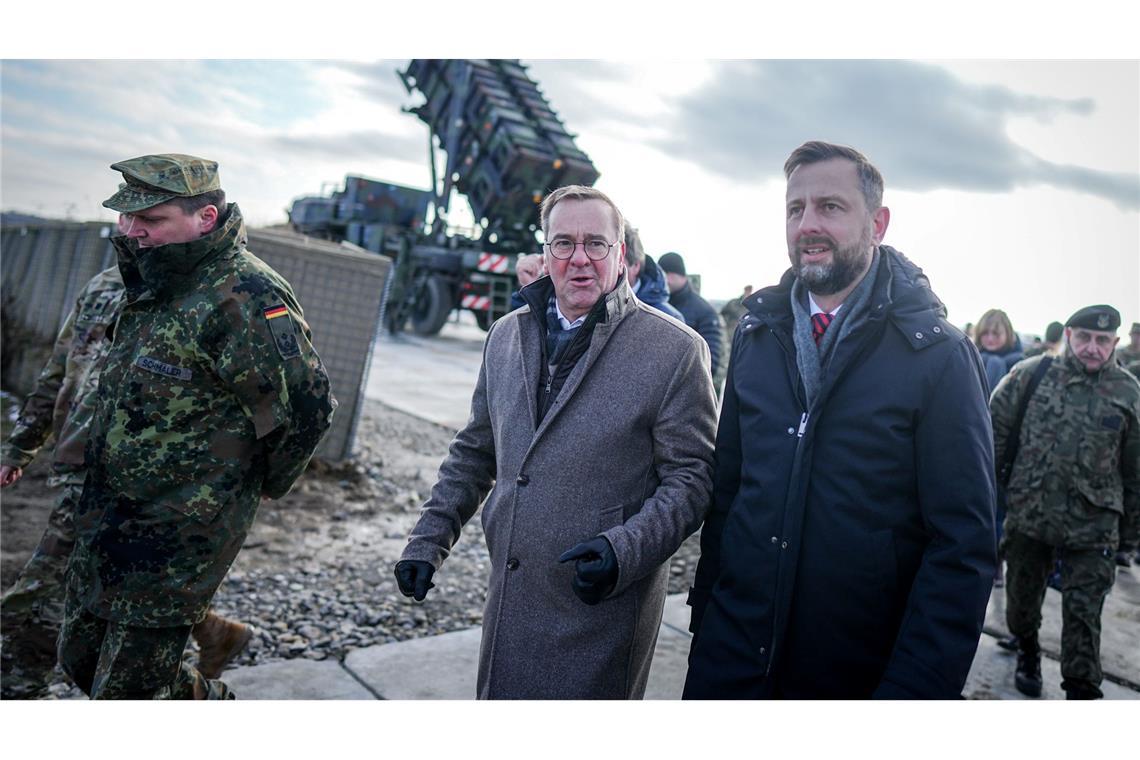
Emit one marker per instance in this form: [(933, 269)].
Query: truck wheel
[(433, 305)]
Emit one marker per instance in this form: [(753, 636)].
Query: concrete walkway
[(443, 667)]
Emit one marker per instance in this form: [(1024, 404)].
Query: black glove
[(596, 571), (414, 578)]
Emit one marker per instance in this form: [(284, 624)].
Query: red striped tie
[(819, 322)]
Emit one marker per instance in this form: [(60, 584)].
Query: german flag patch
[(281, 326)]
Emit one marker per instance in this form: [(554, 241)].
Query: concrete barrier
[(47, 262)]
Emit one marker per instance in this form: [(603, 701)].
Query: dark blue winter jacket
[(849, 551), (702, 317)]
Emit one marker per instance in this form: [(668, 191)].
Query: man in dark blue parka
[(849, 552)]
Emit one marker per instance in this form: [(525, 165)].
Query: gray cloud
[(379, 81), (921, 126), (568, 85), (361, 144)]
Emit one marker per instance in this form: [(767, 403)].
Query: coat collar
[(901, 295), (609, 313), (167, 270), (615, 304)]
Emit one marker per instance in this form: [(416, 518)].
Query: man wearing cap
[(1129, 356), (698, 313), (1074, 489), (211, 397)]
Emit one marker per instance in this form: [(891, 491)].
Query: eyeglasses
[(596, 250)]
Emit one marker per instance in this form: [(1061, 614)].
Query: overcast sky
[(1013, 184)]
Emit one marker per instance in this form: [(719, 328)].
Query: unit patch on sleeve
[(281, 325)]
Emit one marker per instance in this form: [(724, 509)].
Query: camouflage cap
[(1101, 317), (155, 179)]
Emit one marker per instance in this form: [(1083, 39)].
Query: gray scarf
[(814, 360)]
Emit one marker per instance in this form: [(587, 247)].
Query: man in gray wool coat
[(592, 426)]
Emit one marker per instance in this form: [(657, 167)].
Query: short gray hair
[(578, 193)]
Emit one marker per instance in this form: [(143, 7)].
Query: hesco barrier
[(44, 265)]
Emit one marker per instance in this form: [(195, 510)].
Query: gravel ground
[(315, 576)]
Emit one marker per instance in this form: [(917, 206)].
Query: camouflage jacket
[(1129, 359), (1076, 478), (212, 396), (63, 399)]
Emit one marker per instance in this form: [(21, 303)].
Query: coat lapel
[(530, 357), (618, 304)]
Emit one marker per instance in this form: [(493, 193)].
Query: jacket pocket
[(1098, 452), (613, 516), (1104, 493)]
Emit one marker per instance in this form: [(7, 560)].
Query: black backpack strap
[(1014, 440)]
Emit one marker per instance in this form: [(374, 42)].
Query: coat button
[(936, 330), (763, 650), (522, 480), (918, 335), (784, 545), (774, 539), (791, 431), (512, 564)]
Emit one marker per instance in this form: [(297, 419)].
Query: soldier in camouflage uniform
[(211, 398), (1129, 356), (61, 404), (1074, 488)]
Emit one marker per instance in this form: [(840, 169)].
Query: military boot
[(219, 641), (1081, 690), (1028, 675)]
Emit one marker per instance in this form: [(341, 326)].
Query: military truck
[(504, 149)]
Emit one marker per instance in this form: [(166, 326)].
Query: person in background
[(1129, 356), (698, 313), (1052, 344), (1074, 490), (998, 344)]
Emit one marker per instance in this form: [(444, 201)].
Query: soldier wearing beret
[(211, 398), (1074, 489)]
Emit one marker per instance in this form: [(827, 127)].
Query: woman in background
[(1000, 349), (998, 343)]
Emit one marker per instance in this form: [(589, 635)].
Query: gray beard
[(827, 279)]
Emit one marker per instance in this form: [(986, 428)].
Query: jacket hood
[(167, 269), (902, 293), (654, 290)]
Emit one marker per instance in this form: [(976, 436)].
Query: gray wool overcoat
[(625, 451)]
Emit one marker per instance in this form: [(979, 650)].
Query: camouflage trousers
[(1086, 578), (111, 660), (32, 609)]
